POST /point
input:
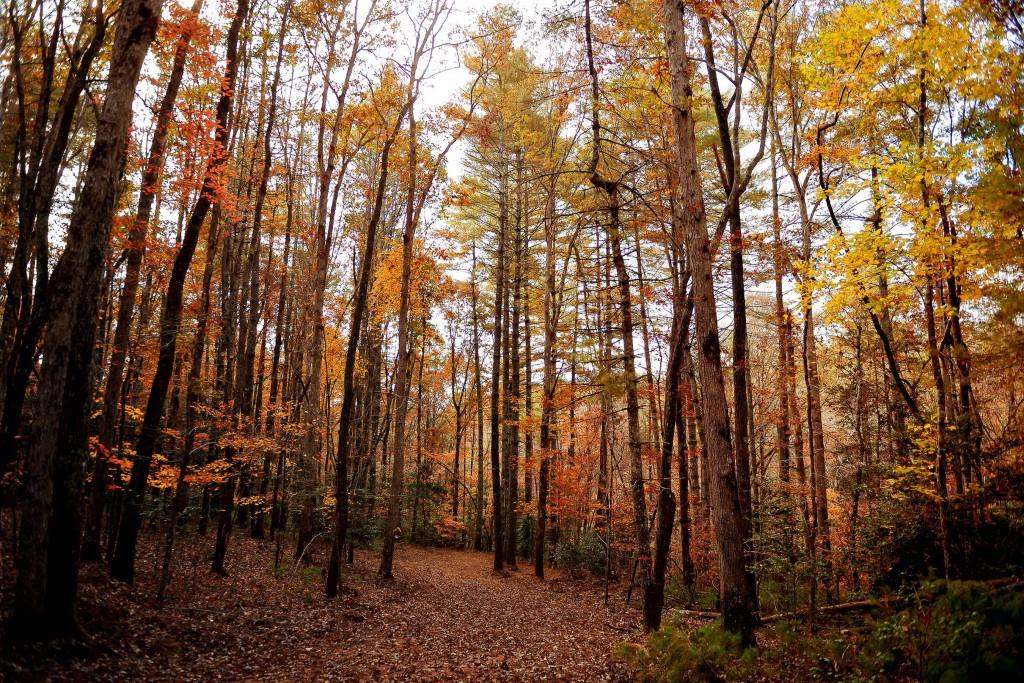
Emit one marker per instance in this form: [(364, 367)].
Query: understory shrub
[(954, 632), (960, 631), (584, 553), (705, 654)]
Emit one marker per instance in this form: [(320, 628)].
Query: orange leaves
[(182, 23), (427, 277), (451, 530), (256, 503), (213, 472), (455, 111)]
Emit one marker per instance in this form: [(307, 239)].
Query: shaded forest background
[(723, 302)]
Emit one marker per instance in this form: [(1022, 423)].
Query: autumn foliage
[(713, 307)]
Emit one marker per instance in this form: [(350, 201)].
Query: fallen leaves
[(447, 616)]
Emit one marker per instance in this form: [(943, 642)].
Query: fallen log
[(855, 606), (696, 613), (1000, 585), (781, 616)]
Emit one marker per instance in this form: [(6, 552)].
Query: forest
[(656, 340)]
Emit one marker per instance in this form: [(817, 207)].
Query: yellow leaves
[(257, 502), (164, 478), (214, 472), (852, 266), (867, 65), (134, 413), (916, 478)]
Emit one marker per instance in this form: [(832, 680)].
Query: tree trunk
[(479, 528), (730, 534), (402, 369), (126, 304), (192, 398), (123, 565), (512, 387), (547, 416), (941, 440), (348, 389), (610, 190), (781, 418), (50, 523), (499, 334), (666, 501)]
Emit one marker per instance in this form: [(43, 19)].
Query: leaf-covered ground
[(448, 616)]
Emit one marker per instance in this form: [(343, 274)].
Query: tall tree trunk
[(50, 523), (254, 303), (402, 369), (687, 473), (328, 139), (610, 190), (860, 395), (126, 304), (666, 501), (274, 405), (741, 406), (478, 381), (734, 184), (941, 441), (192, 398), (778, 260), (348, 389), (547, 415), (499, 334), (798, 456), (457, 409), (896, 410), (527, 383), (737, 602), (123, 565), (685, 532), (512, 388), (602, 319), (934, 344), (969, 428)]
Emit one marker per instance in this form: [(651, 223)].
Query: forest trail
[(447, 616), (450, 616)]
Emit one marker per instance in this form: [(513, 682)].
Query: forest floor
[(447, 616)]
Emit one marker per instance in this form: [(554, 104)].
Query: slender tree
[(736, 599), (123, 565)]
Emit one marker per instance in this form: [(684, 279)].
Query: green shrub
[(363, 530), (958, 632), (964, 632), (524, 534), (705, 654), (582, 554)]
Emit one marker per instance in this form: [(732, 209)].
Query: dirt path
[(452, 616), (448, 616)]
